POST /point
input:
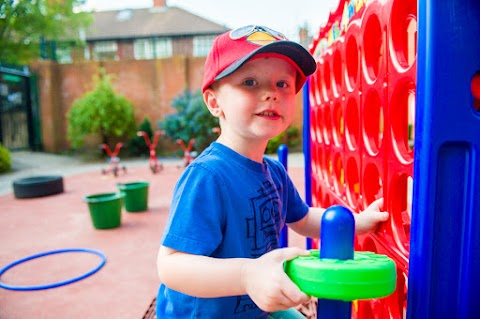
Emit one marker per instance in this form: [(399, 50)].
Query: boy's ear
[(210, 98)]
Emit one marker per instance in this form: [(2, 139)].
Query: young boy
[(219, 256)]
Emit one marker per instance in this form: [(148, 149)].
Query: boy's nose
[(270, 94)]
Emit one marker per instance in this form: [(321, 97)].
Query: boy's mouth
[(269, 114)]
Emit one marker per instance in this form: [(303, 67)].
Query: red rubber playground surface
[(125, 286)]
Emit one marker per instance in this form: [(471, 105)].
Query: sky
[(285, 16)]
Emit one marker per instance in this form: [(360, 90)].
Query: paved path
[(125, 286)]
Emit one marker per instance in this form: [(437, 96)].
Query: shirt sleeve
[(194, 224)]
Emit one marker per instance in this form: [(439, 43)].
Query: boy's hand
[(268, 285), (368, 220)]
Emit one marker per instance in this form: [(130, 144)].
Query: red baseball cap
[(232, 49)]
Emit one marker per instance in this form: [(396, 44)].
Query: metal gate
[(18, 109)]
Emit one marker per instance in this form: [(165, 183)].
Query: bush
[(102, 112), (5, 160), (290, 137), (192, 120), (137, 146)]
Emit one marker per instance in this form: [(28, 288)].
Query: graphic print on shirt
[(244, 304), (262, 227)]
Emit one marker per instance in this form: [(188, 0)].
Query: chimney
[(159, 3)]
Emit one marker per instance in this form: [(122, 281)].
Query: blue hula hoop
[(56, 284)]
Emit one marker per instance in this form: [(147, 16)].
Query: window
[(143, 49), (163, 48), (105, 50), (152, 48), (202, 45)]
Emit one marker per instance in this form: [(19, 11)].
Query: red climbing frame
[(362, 102)]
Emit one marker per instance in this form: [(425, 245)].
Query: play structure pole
[(336, 242), (283, 158), (307, 151)]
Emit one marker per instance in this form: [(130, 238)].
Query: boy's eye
[(282, 84), (250, 82)]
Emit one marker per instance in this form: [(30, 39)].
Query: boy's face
[(256, 102)]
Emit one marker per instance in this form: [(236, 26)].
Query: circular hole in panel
[(365, 309), (314, 157), (318, 127), (317, 168), (373, 122), (327, 202), (411, 119), (351, 63), (327, 77), (328, 171), (315, 88), (402, 119), (339, 173), (353, 182), (403, 32), (321, 163), (373, 47), (369, 245), (372, 184), (408, 217), (337, 72), (320, 83), (368, 308), (315, 160), (399, 297), (395, 305), (313, 123), (319, 195), (475, 87), (312, 93), (318, 162), (338, 123), (400, 207), (352, 123), (327, 124)]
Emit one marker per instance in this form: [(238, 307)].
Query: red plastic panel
[(362, 117)]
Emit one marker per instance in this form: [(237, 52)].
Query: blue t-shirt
[(226, 206)]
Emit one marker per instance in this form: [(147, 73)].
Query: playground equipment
[(135, 195), (379, 108), (105, 209), (103, 260), (188, 155), (113, 160), (153, 162), (336, 274)]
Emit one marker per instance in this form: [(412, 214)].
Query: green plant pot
[(105, 209), (135, 196)]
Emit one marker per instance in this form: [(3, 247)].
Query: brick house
[(153, 55), (148, 33)]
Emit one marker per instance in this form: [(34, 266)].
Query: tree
[(192, 120), (103, 112), (25, 24)]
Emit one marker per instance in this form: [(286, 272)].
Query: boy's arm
[(263, 279), (365, 222)]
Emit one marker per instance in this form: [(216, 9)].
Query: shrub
[(192, 120), (290, 137), (102, 112), (137, 146), (5, 160)]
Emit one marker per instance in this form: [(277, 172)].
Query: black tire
[(38, 186)]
